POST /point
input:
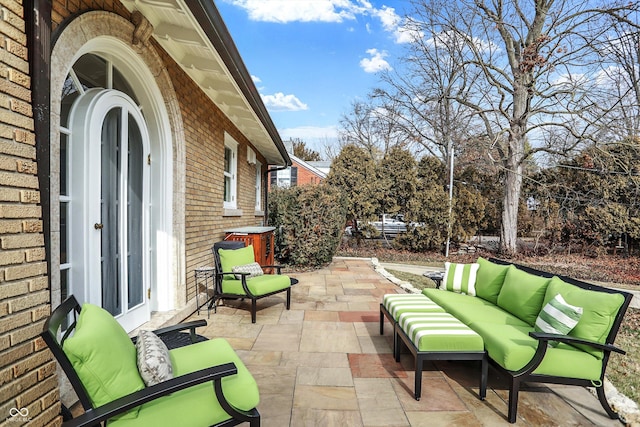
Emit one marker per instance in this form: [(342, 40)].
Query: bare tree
[(372, 126), (527, 71), (620, 54)]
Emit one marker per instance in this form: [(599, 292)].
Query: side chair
[(207, 383), (238, 276)]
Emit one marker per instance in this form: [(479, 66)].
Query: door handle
[(98, 226)]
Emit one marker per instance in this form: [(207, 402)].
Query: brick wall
[(204, 126), (28, 381), (305, 176)]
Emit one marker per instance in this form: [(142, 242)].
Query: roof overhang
[(195, 36)]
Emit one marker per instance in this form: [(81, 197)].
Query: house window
[(258, 186), (230, 171), (286, 178)]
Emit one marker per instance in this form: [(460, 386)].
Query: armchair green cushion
[(259, 285), (230, 258), (599, 311), (198, 406), (104, 357), (522, 294)]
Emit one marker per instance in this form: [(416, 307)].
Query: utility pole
[(450, 225)]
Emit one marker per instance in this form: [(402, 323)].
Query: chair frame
[(526, 373), (55, 337), (218, 294)]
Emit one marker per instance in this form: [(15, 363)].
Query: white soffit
[(178, 32)]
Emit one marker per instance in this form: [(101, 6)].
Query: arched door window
[(104, 188)]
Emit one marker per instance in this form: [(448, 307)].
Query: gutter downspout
[(38, 31)]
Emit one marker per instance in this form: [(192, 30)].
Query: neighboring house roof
[(195, 36), (308, 166), (324, 166)]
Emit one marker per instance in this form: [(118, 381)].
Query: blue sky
[(310, 59)]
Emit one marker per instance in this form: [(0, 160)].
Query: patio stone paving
[(323, 363)]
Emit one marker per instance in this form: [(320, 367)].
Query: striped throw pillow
[(460, 278), (558, 317)]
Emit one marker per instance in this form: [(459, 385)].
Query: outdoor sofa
[(512, 307)]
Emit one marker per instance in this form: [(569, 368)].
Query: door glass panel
[(69, 95), (121, 84), (134, 215), (110, 188), (91, 70)]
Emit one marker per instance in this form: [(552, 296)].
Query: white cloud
[(388, 17), (256, 79), (281, 102), (376, 62), (316, 138), (283, 11)]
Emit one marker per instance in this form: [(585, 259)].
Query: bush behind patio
[(309, 223)]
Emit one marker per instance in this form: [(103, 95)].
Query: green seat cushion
[(230, 258), (396, 304), (599, 310), (489, 279), (439, 332), (103, 356), (522, 294), (512, 348), (198, 406), (258, 286)]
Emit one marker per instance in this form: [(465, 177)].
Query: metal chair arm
[(123, 404)]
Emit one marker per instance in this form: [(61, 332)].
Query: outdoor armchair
[(238, 276), (209, 385)]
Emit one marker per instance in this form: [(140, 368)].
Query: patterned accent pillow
[(460, 278), (253, 269), (154, 362), (558, 317)]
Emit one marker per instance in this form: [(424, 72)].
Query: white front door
[(109, 147)]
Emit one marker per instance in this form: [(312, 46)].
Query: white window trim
[(232, 145)]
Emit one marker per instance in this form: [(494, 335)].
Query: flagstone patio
[(323, 363)]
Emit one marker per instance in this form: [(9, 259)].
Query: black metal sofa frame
[(526, 373)]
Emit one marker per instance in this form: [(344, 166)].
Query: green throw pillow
[(598, 315), (104, 357), (460, 278), (522, 294), (558, 317), (489, 280), (230, 258)]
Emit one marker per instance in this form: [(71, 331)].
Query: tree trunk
[(512, 189), (513, 170)]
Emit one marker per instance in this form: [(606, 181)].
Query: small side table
[(436, 276), (205, 279)]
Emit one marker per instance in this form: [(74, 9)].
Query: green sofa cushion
[(258, 286), (104, 357), (230, 258), (198, 406), (512, 348), (489, 279), (599, 310), (522, 294), (471, 309)]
